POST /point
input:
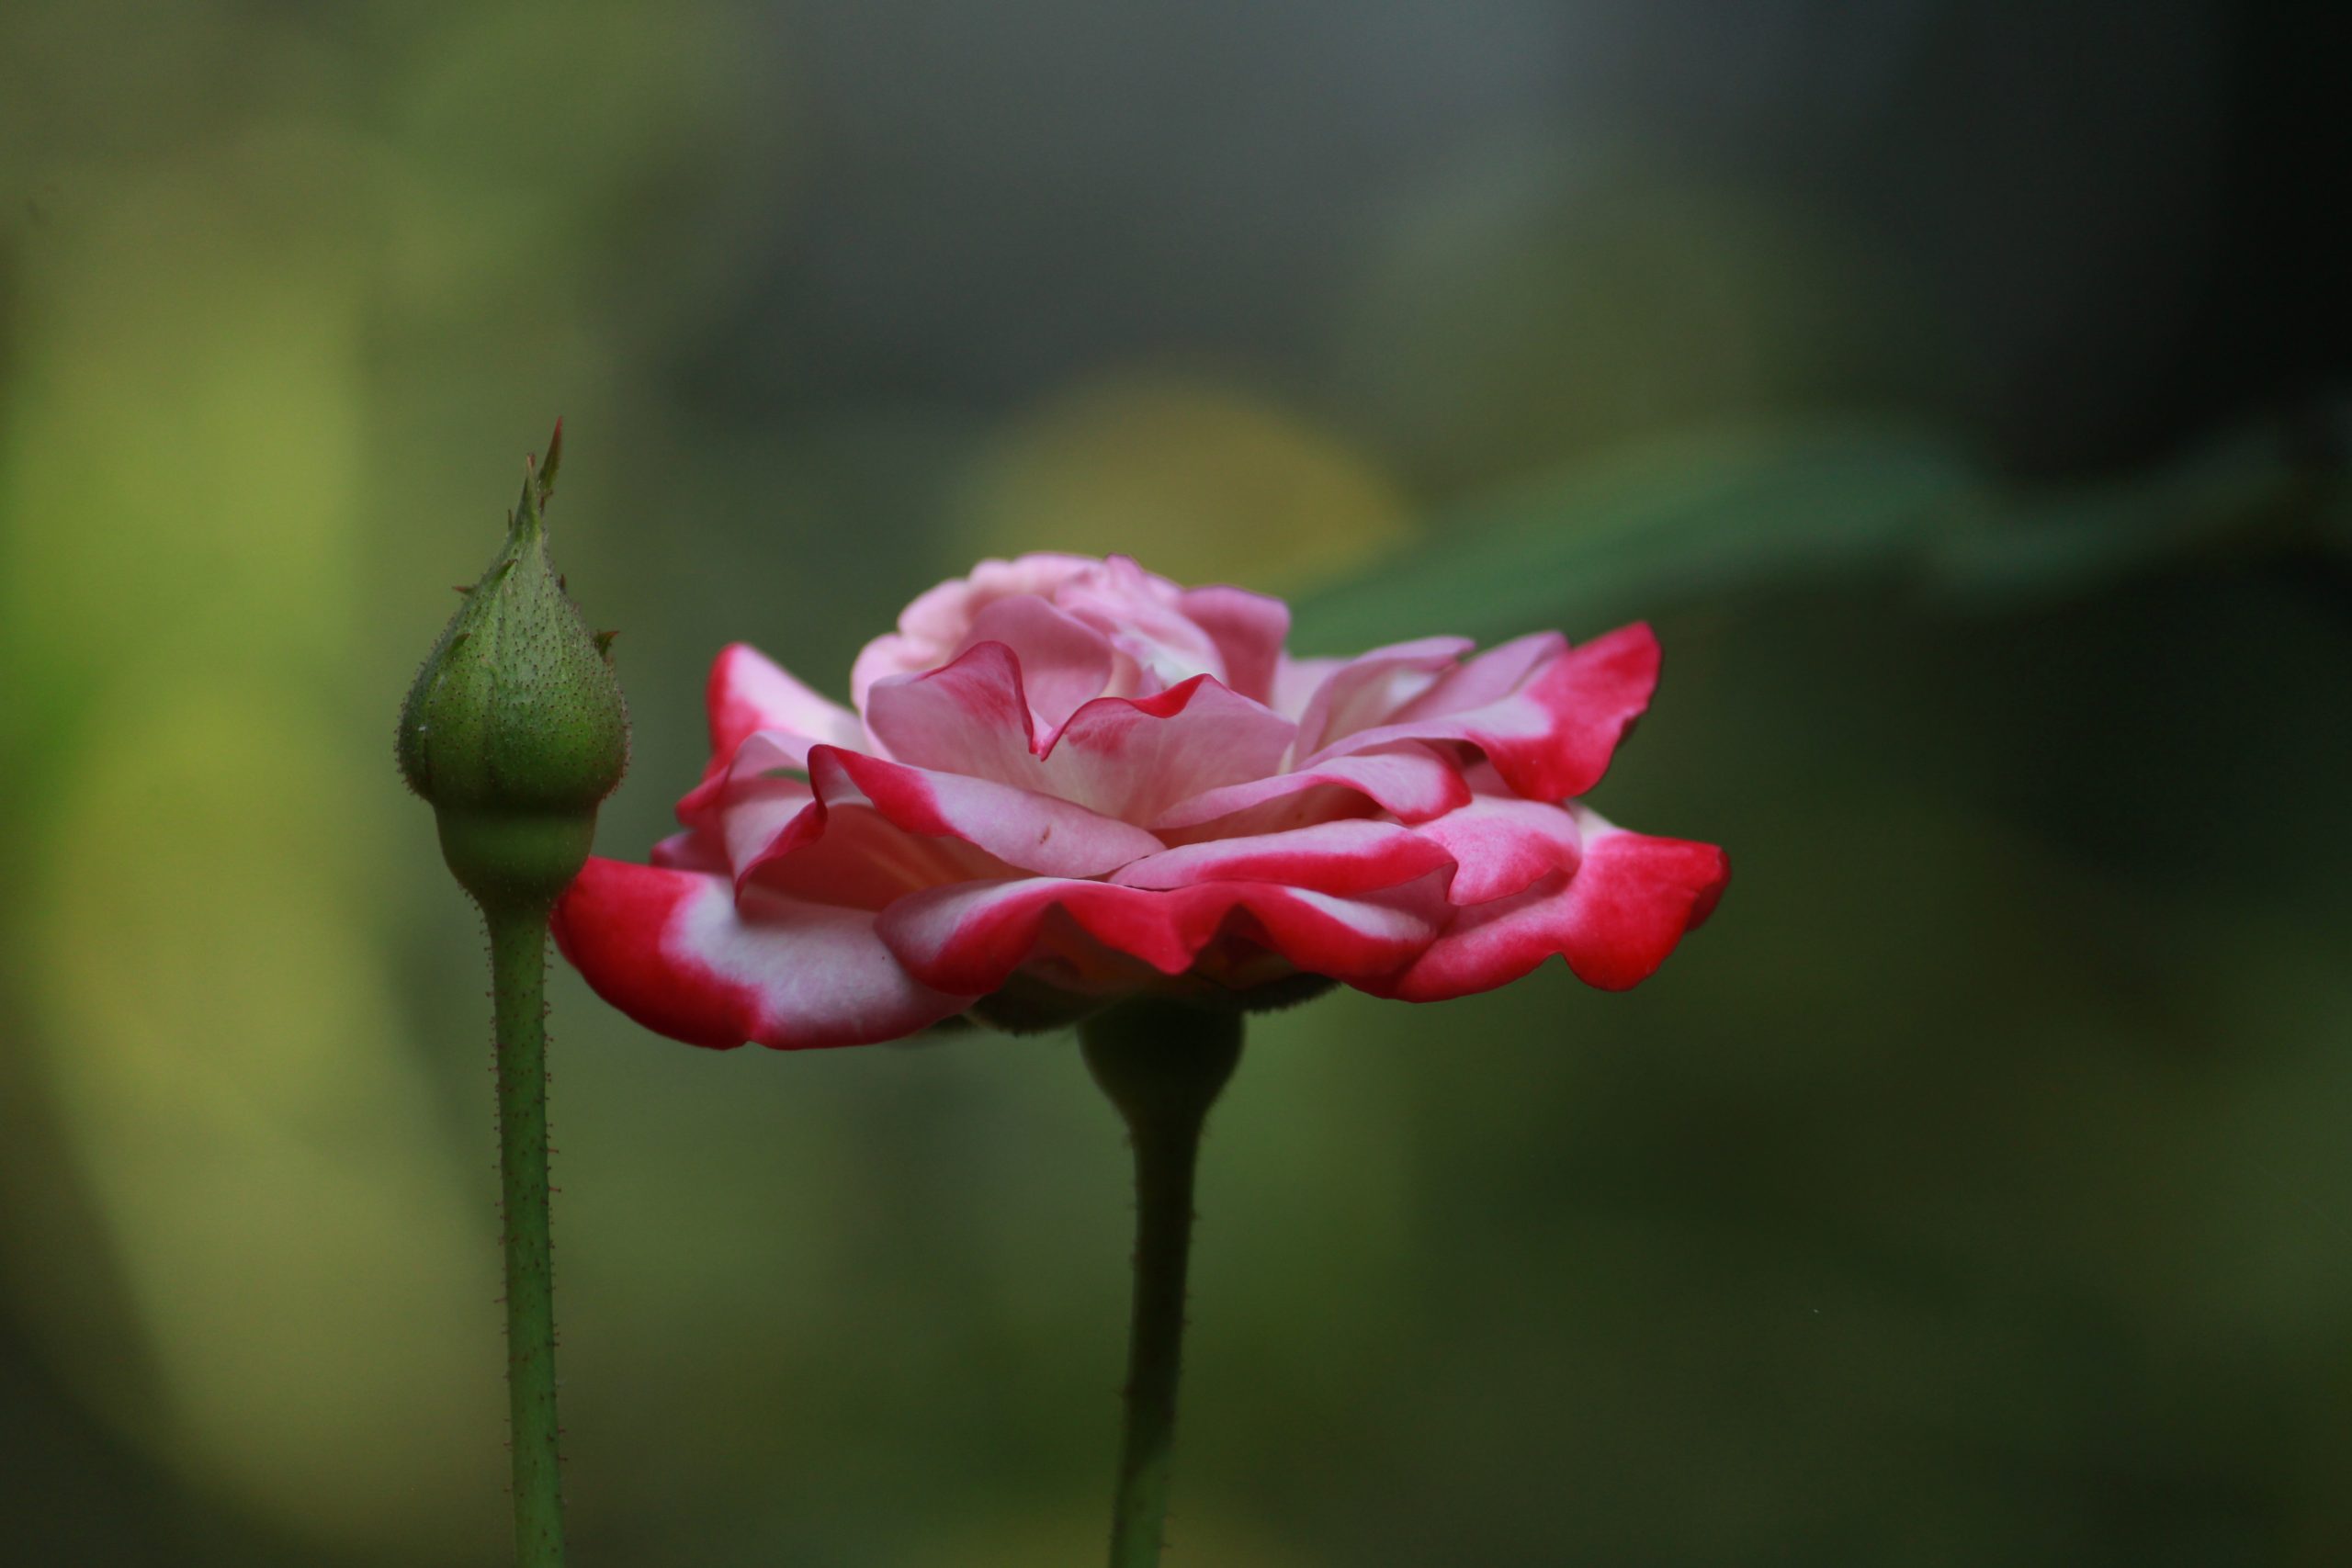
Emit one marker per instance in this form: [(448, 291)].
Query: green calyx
[(1025, 1005), (515, 728), (1161, 1063)]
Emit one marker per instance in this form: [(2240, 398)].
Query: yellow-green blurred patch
[(308, 1266), (1198, 481), (182, 461)]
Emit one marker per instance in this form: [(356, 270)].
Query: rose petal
[(1614, 920), (974, 936), (1139, 611), (970, 716), (671, 950), (1021, 828), (931, 628), (744, 808), (1409, 782), (1297, 680), (1551, 737), (689, 851), (1136, 756), (1062, 661), (766, 817), (1491, 677), (748, 692), (851, 854), (892, 653), (1351, 855), (1124, 757), (1368, 689), (1502, 844), (1248, 629)]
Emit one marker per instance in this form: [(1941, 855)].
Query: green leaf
[(1664, 524), (2242, 490), (1705, 518)]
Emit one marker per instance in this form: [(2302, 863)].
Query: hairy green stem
[(1163, 1063), (518, 980)]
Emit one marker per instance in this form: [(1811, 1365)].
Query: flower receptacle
[(514, 860)]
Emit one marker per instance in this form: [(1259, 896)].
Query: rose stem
[(518, 980), (1163, 1063)]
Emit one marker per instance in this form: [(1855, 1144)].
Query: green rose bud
[(515, 729)]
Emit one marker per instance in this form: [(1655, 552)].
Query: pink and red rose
[(1063, 780)]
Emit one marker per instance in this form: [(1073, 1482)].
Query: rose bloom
[(1065, 781)]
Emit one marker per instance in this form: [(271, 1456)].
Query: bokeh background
[(1957, 386)]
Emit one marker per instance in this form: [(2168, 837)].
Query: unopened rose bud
[(515, 728)]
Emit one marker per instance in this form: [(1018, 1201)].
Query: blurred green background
[(1955, 385)]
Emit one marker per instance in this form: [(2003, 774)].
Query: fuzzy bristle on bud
[(515, 728)]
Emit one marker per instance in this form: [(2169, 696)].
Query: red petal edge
[(611, 924), (802, 974), (1614, 920)]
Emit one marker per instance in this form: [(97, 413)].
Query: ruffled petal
[(1351, 855), (1160, 634), (1369, 689), (932, 628), (764, 819), (974, 936), (672, 951), (1502, 844), (1409, 782), (1136, 756), (1491, 677), (941, 614), (1124, 757), (821, 838), (970, 717), (762, 722), (1551, 737), (851, 854), (750, 806), (892, 653), (1614, 918), (1021, 828), (748, 692), (689, 851), (1248, 631), (1297, 680), (1140, 612), (1062, 661)]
